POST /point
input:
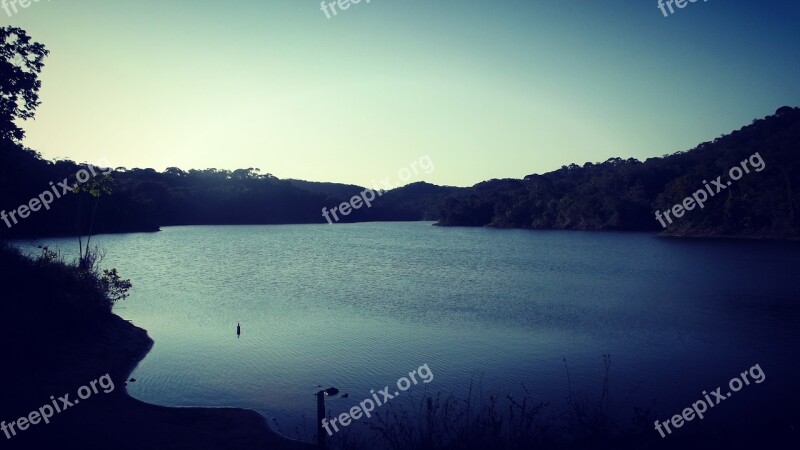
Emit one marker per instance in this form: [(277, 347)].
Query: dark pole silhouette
[(320, 417), (321, 433)]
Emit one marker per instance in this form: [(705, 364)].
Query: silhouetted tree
[(21, 61)]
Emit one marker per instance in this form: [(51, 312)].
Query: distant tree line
[(618, 194), (623, 194)]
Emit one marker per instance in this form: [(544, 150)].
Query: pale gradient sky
[(488, 89)]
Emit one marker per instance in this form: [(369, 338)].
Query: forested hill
[(624, 194), (619, 194), (144, 199)]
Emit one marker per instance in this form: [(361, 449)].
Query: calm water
[(358, 306)]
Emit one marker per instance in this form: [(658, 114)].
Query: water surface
[(358, 306)]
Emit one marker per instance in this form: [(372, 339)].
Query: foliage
[(21, 61), (108, 281), (95, 187), (115, 287), (624, 194), (447, 422), (105, 282), (618, 194), (45, 285)]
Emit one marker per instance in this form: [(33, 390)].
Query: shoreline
[(689, 236), (207, 428), (116, 419)]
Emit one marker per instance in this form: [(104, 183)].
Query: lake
[(358, 306)]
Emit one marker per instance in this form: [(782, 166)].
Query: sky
[(485, 89)]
